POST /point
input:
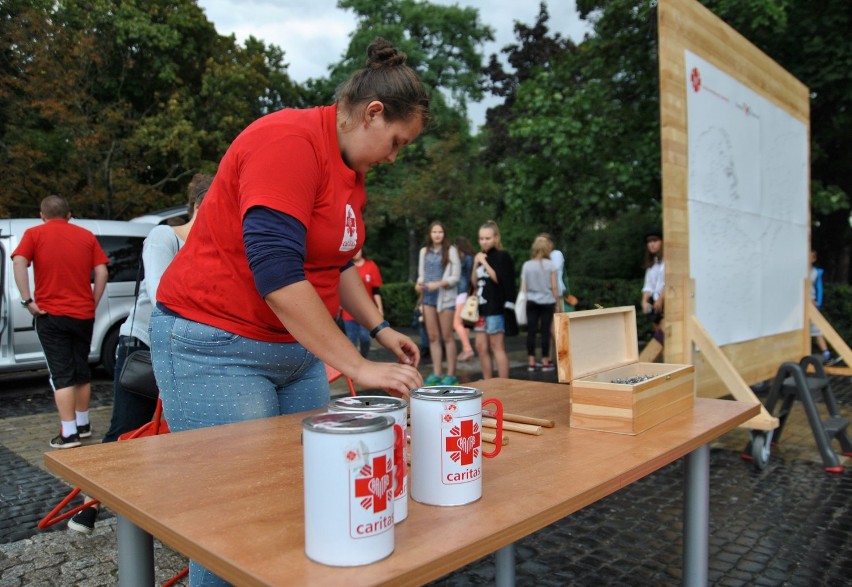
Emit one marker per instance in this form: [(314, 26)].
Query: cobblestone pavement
[(788, 525)]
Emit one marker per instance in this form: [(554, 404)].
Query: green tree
[(116, 103), (582, 136), (435, 177)]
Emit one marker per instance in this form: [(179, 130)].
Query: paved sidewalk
[(790, 524)]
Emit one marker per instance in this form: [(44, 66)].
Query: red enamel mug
[(446, 444)]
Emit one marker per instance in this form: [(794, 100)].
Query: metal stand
[(504, 566), (696, 518), (135, 555)]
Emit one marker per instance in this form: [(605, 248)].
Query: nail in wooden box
[(595, 347)]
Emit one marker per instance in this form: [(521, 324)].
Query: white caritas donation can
[(348, 464), (397, 409), (446, 444)]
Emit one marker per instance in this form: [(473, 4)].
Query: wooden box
[(595, 347)]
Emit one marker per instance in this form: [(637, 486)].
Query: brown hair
[(54, 207), (197, 189), (650, 258), (445, 244), (463, 245), (389, 80)]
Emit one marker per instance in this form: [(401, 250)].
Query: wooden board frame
[(687, 25)]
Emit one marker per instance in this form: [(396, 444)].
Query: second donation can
[(348, 465), (397, 409), (446, 444)]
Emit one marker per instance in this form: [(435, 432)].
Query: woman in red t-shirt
[(244, 315)]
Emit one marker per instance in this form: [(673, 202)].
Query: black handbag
[(137, 374), (510, 319)]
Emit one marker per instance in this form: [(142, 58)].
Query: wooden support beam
[(651, 352), (732, 380), (831, 336)]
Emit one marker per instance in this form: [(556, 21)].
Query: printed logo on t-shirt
[(350, 231)]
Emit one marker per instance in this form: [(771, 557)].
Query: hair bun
[(381, 53)]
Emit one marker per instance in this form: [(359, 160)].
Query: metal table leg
[(504, 563), (696, 519), (135, 555)]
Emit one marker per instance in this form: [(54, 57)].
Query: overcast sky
[(315, 33)]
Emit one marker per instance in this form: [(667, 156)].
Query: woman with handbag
[(133, 409), (494, 275), (538, 276), (438, 274), (466, 257)]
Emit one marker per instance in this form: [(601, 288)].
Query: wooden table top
[(230, 497)]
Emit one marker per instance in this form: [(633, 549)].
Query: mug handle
[(498, 415), (399, 463)]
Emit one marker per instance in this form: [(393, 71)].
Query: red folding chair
[(333, 375), (156, 426)]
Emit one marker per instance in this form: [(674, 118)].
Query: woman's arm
[(554, 286), (453, 271), (482, 259), (305, 316), (421, 270), (158, 251)]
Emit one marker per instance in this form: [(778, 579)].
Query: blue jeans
[(209, 376), (359, 336)]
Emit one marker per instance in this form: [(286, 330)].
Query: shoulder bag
[(521, 304), (470, 311), (137, 373)]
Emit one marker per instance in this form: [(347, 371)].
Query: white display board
[(748, 208)]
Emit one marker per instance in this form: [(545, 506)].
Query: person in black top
[(494, 275)]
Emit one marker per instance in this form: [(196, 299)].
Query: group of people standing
[(449, 273)]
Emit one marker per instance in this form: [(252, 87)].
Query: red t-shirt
[(288, 161), (372, 278), (63, 256)]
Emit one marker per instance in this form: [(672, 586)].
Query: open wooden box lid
[(592, 341)]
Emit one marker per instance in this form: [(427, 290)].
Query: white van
[(19, 346)]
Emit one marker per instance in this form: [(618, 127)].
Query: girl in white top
[(437, 279), (653, 291)]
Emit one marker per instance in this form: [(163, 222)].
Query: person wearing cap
[(653, 290)]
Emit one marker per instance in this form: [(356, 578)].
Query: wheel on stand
[(758, 449)]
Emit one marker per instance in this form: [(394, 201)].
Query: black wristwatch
[(382, 325), (25, 303)]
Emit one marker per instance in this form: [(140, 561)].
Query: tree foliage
[(116, 103)]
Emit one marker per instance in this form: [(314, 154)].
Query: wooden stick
[(522, 419), (512, 426), (490, 437)]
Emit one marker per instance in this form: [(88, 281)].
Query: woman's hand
[(398, 378), (480, 258), (405, 350)]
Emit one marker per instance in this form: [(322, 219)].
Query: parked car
[(20, 349), (173, 215)]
